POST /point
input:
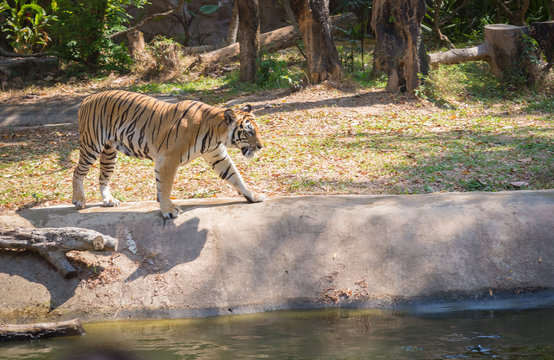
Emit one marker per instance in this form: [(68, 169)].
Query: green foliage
[(207, 9), (84, 27), (274, 73), (464, 23), (26, 25), (162, 50)]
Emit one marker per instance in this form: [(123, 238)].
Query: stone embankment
[(225, 256)]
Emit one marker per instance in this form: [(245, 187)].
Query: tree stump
[(40, 330), (170, 60), (504, 48), (543, 32), (135, 41), (399, 51), (53, 243)]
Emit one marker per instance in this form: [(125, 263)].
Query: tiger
[(169, 134)]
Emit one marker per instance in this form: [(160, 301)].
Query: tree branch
[(446, 19), (148, 18), (53, 243), (41, 330)]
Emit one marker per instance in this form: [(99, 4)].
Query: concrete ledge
[(225, 256), (43, 113)]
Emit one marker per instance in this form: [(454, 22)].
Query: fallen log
[(40, 330), (271, 41), (6, 53), (54, 243), (503, 49)]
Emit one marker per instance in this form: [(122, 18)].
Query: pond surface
[(315, 334)]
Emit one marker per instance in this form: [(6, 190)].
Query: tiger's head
[(244, 132)]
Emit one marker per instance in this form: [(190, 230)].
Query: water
[(317, 334)]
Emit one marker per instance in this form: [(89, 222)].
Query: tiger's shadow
[(148, 244)]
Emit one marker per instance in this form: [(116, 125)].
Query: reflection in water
[(322, 334)]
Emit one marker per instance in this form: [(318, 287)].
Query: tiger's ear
[(247, 108), (230, 117)]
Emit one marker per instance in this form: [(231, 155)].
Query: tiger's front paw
[(255, 198), (111, 202), (170, 213), (79, 204)]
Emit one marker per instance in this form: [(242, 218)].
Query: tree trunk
[(53, 243), (543, 32), (249, 39), (271, 41), (233, 25), (315, 28), (442, 39), (517, 18), (41, 330), (398, 51), (98, 11), (503, 49)]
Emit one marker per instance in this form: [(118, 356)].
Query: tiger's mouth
[(248, 152)]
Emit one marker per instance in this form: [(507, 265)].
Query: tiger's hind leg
[(87, 157), (107, 165)]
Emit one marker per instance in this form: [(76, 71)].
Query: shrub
[(274, 73), (25, 24), (83, 30)]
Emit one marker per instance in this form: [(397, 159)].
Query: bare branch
[(40, 330), (446, 19), (148, 18), (53, 243)]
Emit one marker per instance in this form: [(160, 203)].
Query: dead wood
[(502, 49), (271, 41), (54, 243), (40, 330)]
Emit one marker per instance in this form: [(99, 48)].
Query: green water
[(317, 334)]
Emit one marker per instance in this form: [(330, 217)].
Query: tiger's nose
[(258, 147)]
